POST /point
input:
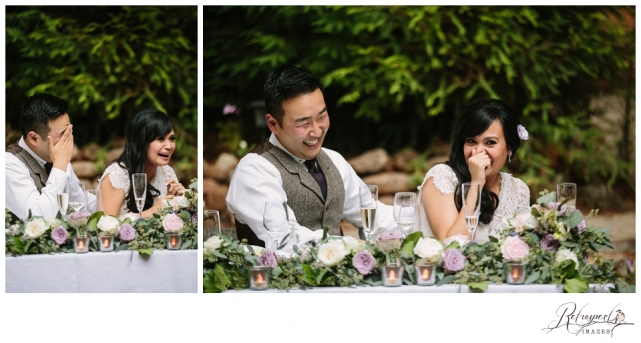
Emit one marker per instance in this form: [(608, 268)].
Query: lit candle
[(173, 242), (391, 278), (81, 245), (426, 274), (105, 242), (259, 277), (515, 273), (259, 282)]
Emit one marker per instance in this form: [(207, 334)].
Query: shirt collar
[(24, 145), (275, 142)]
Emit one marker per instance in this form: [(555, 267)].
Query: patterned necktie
[(313, 169), (48, 167)]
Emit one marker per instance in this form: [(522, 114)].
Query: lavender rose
[(127, 233), (549, 243), (364, 262), (77, 219), (523, 134), (453, 261), (59, 235), (582, 226), (389, 241), (268, 259)]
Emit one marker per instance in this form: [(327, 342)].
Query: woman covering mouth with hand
[(486, 137), (150, 143)]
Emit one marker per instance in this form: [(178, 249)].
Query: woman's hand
[(477, 163), (174, 187)]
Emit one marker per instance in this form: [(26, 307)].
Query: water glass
[(211, 223), (566, 192), (405, 211)]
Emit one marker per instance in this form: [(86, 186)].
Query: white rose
[(429, 248), (565, 254), (182, 201), (353, 245), (461, 239), (35, 228), (332, 252), (108, 223), (213, 243)]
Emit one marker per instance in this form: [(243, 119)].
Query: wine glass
[(369, 200), (62, 195), (276, 224), (77, 196), (139, 181), (471, 193), (211, 223), (566, 192), (97, 194), (405, 210)]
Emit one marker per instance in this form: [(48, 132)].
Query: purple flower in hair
[(229, 109), (549, 243), (59, 235), (523, 134)]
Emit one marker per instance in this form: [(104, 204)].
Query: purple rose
[(555, 205), (389, 241), (523, 134), (364, 262), (127, 232), (582, 226), (59, 235), (453, 261), (78, 219), (549, 243), (194, 218), (268, 259)]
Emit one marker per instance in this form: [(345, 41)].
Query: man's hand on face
[(61, 152)]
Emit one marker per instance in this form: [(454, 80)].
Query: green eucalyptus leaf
[(410, 242), (543, 200), (445, 280), (577, 284), (574, 219), (481, 286), (532, 277), (148, 251)]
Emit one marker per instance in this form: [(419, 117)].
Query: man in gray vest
[(39, 163), (317, 185)]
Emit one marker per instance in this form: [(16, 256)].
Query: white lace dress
[(514, 197), (120, 179)]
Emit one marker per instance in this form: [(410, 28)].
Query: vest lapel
[(295, 168)]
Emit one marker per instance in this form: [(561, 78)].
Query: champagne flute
[(211, 223), (471, 193), (405, 210), (369, 200), (62, 195), (77, 196), (139, 182), (566, 192), (276, 224)]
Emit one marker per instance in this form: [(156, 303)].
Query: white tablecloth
[(450, 288), (104, 272)]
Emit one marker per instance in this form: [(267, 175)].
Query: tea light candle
[(392, 275), (515, 272), (259, 277), (173, 241), (425, 275), (106, 243), (81, 244)]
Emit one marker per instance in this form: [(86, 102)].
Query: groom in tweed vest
[(316, 185), (39, 163)]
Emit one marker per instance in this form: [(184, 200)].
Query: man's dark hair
[(38, 110), (284, 83)]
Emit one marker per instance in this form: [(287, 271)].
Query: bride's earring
[(509, 157)]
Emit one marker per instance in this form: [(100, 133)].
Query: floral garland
[(40, 235), (550, 239)]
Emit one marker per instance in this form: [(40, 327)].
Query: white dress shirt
[(256, 180), (21, 194)]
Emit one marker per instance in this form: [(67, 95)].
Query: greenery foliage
[(403, 75), (108, 62)]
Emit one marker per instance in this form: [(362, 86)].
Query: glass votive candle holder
[(425, 274), (81, 244), (515, 272), (259, 277), (392, 274), (106, 243), (173, 240)]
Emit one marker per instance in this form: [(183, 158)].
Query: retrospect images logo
[(584, 321)]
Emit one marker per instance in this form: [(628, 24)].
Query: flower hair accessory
[(523, 134)]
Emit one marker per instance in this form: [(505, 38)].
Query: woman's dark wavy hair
[(145, 127), (474, 121)]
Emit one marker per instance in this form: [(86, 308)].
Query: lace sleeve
[(523, 195), (118, 176), (444, 178), (169, 173)]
